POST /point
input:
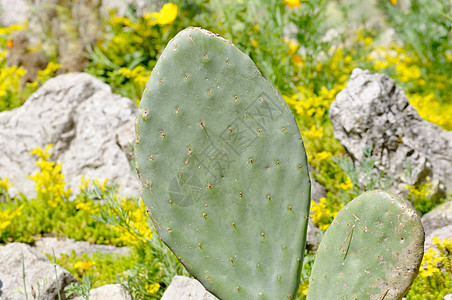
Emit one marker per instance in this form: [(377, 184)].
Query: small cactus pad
[(372, 250), (224, 169)]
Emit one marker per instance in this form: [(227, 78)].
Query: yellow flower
[(5, 185), (83, 265), (49, 181), (321, 215), (393, 2), (166, 15), (292, 3), (313, 132), (345, 186), (152, 288)]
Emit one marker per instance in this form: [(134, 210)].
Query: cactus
[(224, 169), (372, 250)]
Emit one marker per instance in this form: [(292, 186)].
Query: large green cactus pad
[(224, 169), (372, 250)]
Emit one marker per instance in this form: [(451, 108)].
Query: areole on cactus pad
[(224, 169)]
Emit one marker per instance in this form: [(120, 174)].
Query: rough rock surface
[(13, 12), (184, 288), (311, 236), (66, 246), (440, 233), (372, 109), (89, 126), (439, 217), (108, 292), (39, 273)]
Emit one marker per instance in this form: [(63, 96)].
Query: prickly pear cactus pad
[(224, 169), (372, 250)]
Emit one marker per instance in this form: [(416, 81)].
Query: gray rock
[(311, 235), (317, 190), (441, 233), (372, 109), (439, 217), (184, 288), (13, 12), (66, 246), (108, 292), (39, 273), (86, 122)]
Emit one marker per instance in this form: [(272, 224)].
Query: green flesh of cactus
[(224, 169), (372, 250)]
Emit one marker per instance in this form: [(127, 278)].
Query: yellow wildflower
[(166, 15), (10, 29), (345, 185), (5, 185), (138, 74), (313, 132), (322, 155), (254, 43), (7, 215), (136, 218), (321, 215), (393, 2), (83, 265), (292, 3), (152, 288), (49, 181)]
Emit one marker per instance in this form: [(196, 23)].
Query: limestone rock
[(317, 190), (108, 292), (440, 233), (184, 288), (86, 122), (13, 12), (439, 217), (66, 246), (39, 273), (311, 236), (372, 109)]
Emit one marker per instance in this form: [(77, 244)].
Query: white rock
[(13, 12), (372, 109), (108, 292), (88, 125), (39, 273), (184, 288), (440, 233), (439, 217)]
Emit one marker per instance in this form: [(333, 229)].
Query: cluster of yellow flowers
[(434, 260), (429, 109), (5, 185), (321, 215), (406, 69), (44, 75), (12, 93), (166, 16), (152, 288), (7, 215), (138, 74), (136, 219), (50, 183)]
